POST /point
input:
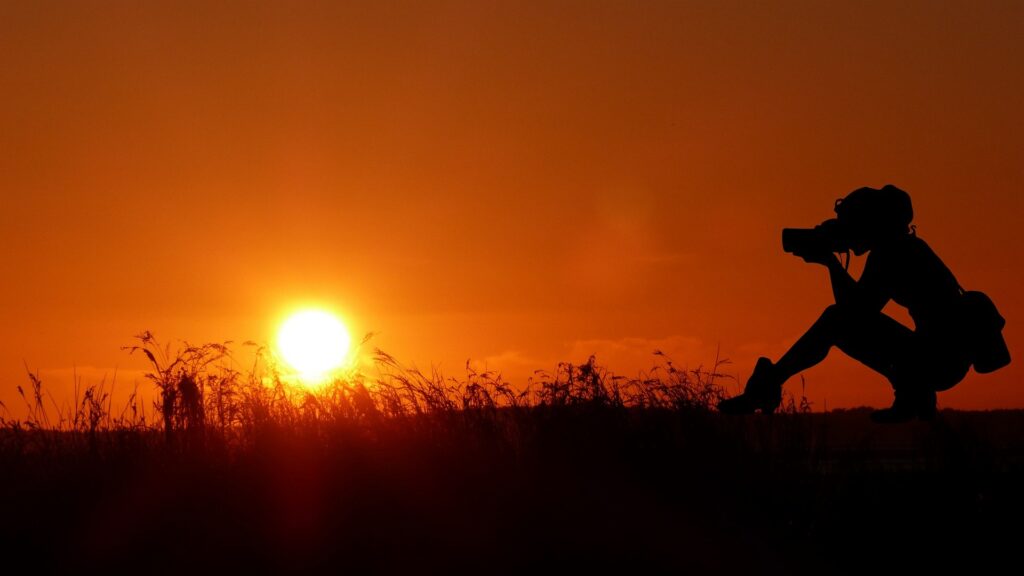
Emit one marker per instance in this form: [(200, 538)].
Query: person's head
[(874, 216)]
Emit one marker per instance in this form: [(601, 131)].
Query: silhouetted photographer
[(954, 329)]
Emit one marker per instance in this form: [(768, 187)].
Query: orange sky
[(513, 184)]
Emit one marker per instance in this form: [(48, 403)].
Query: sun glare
[(314, 343)]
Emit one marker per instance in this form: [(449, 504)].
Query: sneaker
[(763, 391)]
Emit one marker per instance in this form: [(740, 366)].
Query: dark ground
[(618, 490)]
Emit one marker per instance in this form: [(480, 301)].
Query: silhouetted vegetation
[(403, 471)]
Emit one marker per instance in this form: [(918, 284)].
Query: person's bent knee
[(847, 321), (837, 314), (848, 314)]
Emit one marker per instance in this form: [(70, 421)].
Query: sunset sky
[(514, 183)]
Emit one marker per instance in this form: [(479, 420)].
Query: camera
[(830, 235)]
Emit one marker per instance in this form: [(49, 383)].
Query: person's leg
[(913, 364), (874, 339)]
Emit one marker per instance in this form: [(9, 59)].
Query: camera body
[(829, 235)]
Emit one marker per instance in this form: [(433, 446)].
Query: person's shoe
[(906, 407), (763, 391)]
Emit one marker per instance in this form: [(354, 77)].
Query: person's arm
[(867, 294), (844, 287)]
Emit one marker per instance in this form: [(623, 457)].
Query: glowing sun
[(314, 343)]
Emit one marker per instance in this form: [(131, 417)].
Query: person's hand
[(822, 256)]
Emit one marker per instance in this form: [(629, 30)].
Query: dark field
[(520, 491), (415, 474)]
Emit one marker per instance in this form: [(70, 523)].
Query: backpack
[(983, 326)]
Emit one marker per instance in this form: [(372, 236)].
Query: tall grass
[(392, 469), (200, 391)]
